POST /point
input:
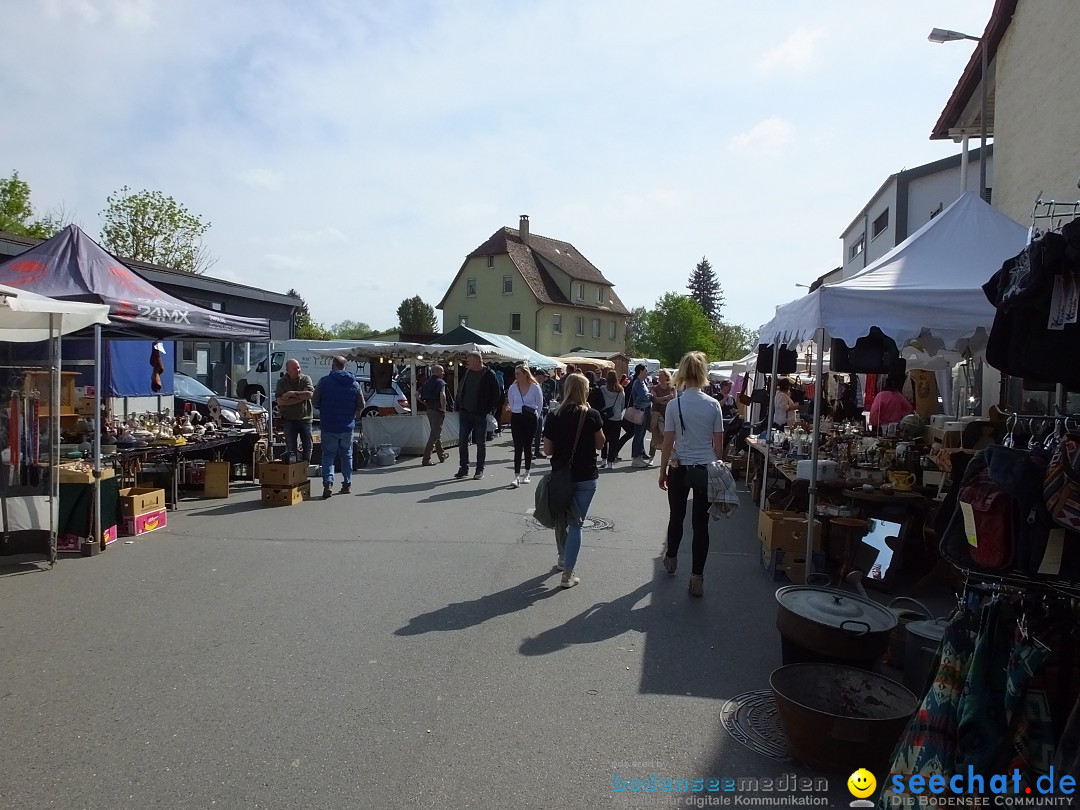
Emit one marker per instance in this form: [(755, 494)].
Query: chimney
[(523, 228)]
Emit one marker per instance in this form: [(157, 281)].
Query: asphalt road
[(407, 646)]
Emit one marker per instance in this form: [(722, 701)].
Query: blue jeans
[(637, 447), (298, 429), (583, 495), (333, 445), (476, 425)]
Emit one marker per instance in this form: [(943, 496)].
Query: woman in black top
[(559, 431)]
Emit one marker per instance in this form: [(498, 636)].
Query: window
[(515, 322), (556, 324), (580, 325), (508, 285), (880, 224), (463, 320), (613, 329), (599, 295), (470, 288), (490, 261), (596, 327), (857, 248), (580, 293), (188, 351)]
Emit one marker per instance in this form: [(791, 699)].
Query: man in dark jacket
[(479, 394), (340, 400)]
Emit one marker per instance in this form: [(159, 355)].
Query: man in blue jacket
[(340, 400)]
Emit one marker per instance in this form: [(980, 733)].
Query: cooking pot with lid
[(831, 626)]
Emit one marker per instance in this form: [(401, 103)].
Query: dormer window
[(599, 295), (580, 291)]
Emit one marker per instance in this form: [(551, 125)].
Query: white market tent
[(926, 292)]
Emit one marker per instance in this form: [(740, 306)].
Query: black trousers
[(678, 490), (523, 429), (612, 429)]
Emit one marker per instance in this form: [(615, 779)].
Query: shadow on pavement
[(602, 621), (459, 615), (460, 494), (403, 488), (16, 569), (235, 508)]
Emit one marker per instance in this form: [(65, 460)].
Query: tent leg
[(769, 424), (54, 435), (97, 434), (812, 508), (268, 402)]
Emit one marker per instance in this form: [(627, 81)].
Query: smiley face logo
[(861, 783)]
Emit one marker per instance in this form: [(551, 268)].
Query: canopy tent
[(418, 352), (27, 317), (926, 290), (466, 334), (580, 360), (73, 266)]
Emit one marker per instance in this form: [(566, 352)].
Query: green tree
[(150, 227), (675, 326), (705, 289), (635, 325), (305, 328), (416, 316), (17, 215), (734, 340), (352, 330)]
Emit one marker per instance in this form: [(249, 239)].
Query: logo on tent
[(129, 281), (28, 271)]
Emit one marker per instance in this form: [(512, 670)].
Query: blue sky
[(357, 151)]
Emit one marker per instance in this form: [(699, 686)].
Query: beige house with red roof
[(540, 291)]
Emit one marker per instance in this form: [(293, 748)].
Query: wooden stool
[(850, 531)]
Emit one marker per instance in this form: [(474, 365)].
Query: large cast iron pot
[(829, 626)]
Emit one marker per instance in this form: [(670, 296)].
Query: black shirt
[(560, 427), (431, 392)]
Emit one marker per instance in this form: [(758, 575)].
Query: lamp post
[(940, 35)]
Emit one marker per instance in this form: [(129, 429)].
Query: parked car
[(191, 395), (384, 401)]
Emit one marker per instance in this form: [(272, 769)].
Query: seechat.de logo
[(861, 785)]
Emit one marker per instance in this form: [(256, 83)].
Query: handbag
[(555, 492), (529, 410), (634, 416), (1061, 487)]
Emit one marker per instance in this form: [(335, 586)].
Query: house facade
[(540, 291)]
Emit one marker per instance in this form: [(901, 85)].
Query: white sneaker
[(525, 480), (517, 481), (640, 461)]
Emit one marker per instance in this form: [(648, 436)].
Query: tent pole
[(54, 434), (812, 507), (769, 422), (268, 402), (412, 393), (97, 434)]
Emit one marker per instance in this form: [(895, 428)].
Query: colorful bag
[(1061, 487)]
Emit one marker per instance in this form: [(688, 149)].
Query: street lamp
[(940, 35)]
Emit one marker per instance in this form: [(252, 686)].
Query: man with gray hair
[(340, 400), (433, 395), (479, 394)]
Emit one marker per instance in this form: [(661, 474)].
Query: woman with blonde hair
[(526, 400), (693, 439), (572, 435)]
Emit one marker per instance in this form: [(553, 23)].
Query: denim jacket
[(640, 395)]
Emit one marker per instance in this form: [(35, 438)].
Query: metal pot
[(921, 648), (904, 617), (826, 625)]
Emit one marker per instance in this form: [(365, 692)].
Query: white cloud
[(275, 261), (262, 178), (794, 53), (770, 137)]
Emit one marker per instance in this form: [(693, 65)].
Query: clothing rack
[(1051, 210), (1017, 583)]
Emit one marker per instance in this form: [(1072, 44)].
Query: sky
[(358, 150)]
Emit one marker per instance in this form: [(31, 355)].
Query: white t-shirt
[(784, 409), (701, 417)]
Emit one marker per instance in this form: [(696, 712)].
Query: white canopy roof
[(25, 316), (398, 351), (926, 290)]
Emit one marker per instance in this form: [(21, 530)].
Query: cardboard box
[(786, 531), (148, 522), (280, 474), (75, 475), (70, 541), (135, 501), (790, 566), (286, 496), (216, 479)]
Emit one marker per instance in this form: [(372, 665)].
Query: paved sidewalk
[(406, 646)]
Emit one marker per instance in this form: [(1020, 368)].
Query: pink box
[(141, 524), (70, 541)]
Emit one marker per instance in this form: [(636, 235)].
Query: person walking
[(662, 393), (547, 393), (640, 398), (614, 402), (693, 439), (293, 393), (433, 395), (478, 396), (575, 419), (340, 400), (526, 401)]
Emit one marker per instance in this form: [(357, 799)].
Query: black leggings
[(612, 429), (678, 490), (523, 429)]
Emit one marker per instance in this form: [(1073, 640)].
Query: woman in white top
[(526, 401), (694, 432), (785, 411)]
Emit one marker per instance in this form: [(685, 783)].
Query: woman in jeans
[(641, 398), (526, 401), (614, 402), (693, 439), (559, 430)]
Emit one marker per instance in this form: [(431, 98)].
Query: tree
[(16, 213), (675, 326), (734, 340), (416, 316), (352, 330), (705, 289), (150, 227), (305, 327), (635, 325)]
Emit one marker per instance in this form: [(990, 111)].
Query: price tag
[(1055, 547), (969, 524)]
